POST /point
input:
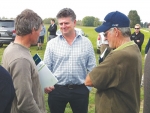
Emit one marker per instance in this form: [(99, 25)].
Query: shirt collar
[(125, 45), (77, 35)]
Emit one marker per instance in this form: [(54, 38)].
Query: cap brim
[(102, 28)]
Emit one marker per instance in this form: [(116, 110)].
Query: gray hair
[(126, 32), (66, 12), (26, 22)]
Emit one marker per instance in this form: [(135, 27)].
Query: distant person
[(18, 61), (52, 29), (70, 56), (41, 37), (117, 79), (7, 91), (137, 36)]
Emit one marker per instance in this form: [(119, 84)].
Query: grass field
[(92, 35)]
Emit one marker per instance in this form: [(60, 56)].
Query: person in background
[(7, 91), (70, 56), (52, 29), (117, 79), (41, 37), (137, 36), (17, 60)]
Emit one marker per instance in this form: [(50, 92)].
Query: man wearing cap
[(117, 78)]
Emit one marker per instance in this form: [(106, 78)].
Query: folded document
[(45, 75)]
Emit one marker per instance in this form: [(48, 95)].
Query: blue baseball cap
[(113, 19)]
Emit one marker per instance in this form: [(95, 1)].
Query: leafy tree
[(145, 25), (134, 18), (4, 17), (142, 25), (97, 22), (79, 22), (47, 20), (90, 21), (148, 25)]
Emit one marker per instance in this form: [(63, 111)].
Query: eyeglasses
[(136, 28), (105, 34)]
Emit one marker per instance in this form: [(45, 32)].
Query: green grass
[(92, 35)]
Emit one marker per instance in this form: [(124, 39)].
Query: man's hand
[(138, 40), (88, 81), (48, 89)]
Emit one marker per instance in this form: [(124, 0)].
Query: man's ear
[(116, 31), (33, 30), (75, 23)]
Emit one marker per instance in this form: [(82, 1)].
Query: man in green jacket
[(117, 79)]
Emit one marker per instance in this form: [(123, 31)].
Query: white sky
[(82, 8)]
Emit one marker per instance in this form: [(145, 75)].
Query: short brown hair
[(26, 21)]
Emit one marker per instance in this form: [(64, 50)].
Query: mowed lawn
[(92, 35)]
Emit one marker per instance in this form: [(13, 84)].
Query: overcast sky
[(82, 8)]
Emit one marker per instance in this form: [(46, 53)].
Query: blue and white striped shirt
[(70, 63)]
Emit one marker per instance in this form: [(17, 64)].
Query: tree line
[(94, 21), (91, 21), (86, 21)]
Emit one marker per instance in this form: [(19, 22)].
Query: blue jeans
[(78, 98)]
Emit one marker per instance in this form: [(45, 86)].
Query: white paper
[(45, 76), (102, 55)]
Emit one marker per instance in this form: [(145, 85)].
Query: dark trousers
[(51, 37), (78, 98)]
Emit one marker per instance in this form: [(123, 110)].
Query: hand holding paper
[(46, 77)]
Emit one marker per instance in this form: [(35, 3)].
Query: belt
[(70, 86)]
